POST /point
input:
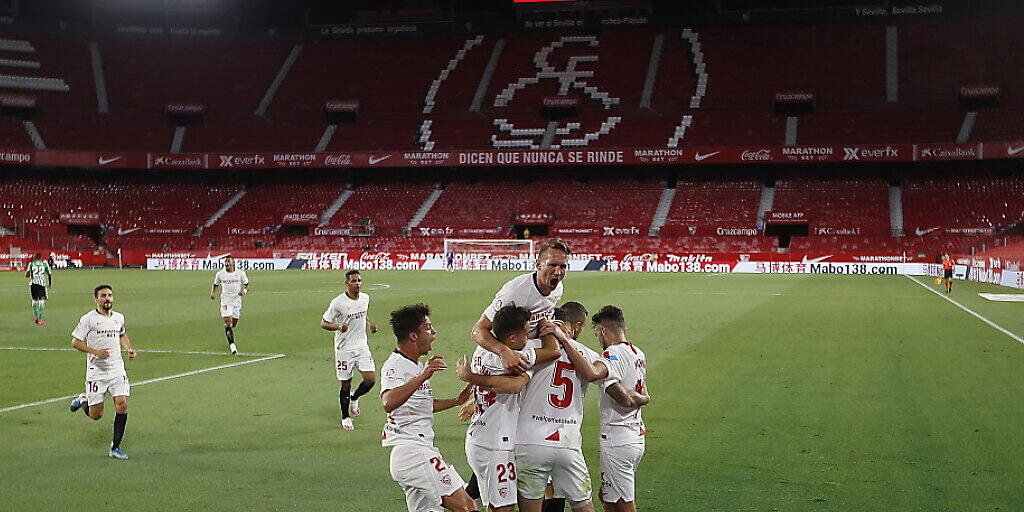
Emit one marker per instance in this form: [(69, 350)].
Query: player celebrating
[(548, 441), (100, 333), (947, 273), (346, 316), (418, 467), (235, 286), (622, 426), (491, 436), (537, 293), (40, 279)]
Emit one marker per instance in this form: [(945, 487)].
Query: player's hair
[(610, 316), (554, 243), (351, 273), (38, 256), (574, 312), (561, 315), (96, 291), (509, 320), (228, 257), (407, 320)]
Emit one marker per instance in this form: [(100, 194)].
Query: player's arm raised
[(587, 371), (549, 347), (444, 404), (396, 397), (502, 384), (482, 335)]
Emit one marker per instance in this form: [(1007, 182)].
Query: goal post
[(475, 253)]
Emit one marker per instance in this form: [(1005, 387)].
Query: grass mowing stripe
[(976, 315), (150, 381)]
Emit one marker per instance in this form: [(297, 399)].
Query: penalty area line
[(150, 381), (992, 324)]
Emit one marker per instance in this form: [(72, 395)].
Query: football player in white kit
[(430, 484), (491, 436), (548, 440), (347, 317), (100, 334), (622, 426), (235, 285), (537, 293)]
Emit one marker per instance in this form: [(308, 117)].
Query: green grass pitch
[(770, 392)]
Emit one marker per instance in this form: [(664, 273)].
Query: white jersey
[(230, 284), (551, 409), (344, 310), (102, 332), (522, 291), (494, 423), (413, 421), (620, 425)]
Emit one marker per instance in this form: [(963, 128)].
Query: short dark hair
[(554, 243), (407, 320), (351, 273), (509, 320), (561, 315), (96, 291), (610, 316), (574, 312), (38, 256)]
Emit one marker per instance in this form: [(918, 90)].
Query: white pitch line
[(150, 381), (1013, 336), (151, 351)]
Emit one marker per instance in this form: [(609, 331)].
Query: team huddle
[(527, 379)]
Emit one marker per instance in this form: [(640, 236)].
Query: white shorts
[(117, 386), (566, 468), (618, 472), (424, 476), (349, 360), (232, 309), (495, 472)]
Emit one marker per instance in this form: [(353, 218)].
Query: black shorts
[(947, 273), (38, 292)]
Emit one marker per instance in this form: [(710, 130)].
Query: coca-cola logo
[(375, 256), (650, 256), (338, 160), (760, 155)]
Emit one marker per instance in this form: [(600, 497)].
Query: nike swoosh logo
[(815, 260), (105, 161), (698, 157), (126, 231), (376, 160), (923, 232), (1014, 151)]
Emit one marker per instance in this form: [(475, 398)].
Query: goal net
[(481, 254)]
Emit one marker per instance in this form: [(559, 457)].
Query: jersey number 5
[(561, 381)]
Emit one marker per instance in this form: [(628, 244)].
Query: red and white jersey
[(627, 365), (231, 283), (102, 332), (413, 421), (344, 310), (551, 407), (494, 423), (522, 291)]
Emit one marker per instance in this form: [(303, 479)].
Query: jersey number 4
[(561, 381)]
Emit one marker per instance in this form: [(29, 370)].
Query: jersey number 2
[(561, 381)]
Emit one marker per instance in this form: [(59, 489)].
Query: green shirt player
[(41, 278)]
